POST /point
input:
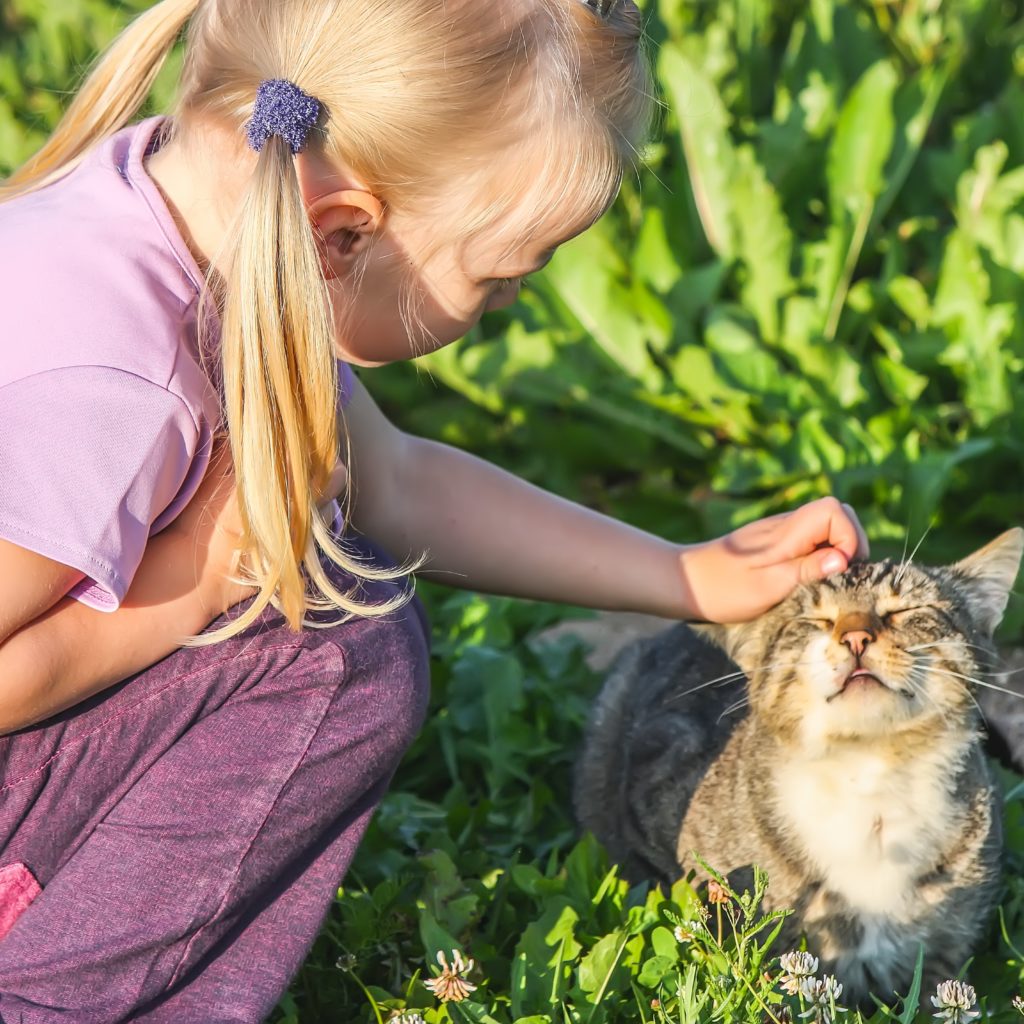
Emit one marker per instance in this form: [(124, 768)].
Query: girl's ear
[(990, 574), (343, 223)]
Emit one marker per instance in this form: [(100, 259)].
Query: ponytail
[(280, 399), (111, 95), (420, 75)]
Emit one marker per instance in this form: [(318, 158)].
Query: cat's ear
[(736, 640), (990, 574)]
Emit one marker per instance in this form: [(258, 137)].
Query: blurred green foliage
[(810, 284)]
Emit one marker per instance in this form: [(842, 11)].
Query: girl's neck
[(199, 195)]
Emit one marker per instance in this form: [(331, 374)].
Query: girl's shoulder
[(98, 277)]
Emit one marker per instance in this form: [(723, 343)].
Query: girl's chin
[(392, 354)]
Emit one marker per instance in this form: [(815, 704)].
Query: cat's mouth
[(863, 679)]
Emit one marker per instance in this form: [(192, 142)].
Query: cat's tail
[(653, 731)]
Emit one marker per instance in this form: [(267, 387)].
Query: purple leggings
[(190, 826)]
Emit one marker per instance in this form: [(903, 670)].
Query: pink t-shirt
[(106, 417)]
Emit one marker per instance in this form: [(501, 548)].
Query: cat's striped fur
[(847, 764)]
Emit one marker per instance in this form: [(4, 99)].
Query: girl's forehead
[(523, 238), (526, 205)]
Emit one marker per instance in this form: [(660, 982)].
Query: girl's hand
[(737, 577)]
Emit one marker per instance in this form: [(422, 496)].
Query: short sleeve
[(89, 459)]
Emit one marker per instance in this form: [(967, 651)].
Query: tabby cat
[(847, 763)]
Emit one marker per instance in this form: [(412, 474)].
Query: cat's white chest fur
[(869, 824)]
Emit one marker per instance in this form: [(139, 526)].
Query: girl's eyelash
[(507, 282)]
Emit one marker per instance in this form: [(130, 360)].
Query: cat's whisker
[(948, 643), (734, 707), (729, 677), (997, 671), (946, 713), (907, 562), (977, 682), (917, 669), (906, 544), (710, 682), (980, 709)]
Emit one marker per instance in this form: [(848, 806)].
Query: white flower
[(406, 1017), (688, 930), (794, 967), (450, 986), (821, 995), (955, 1001)]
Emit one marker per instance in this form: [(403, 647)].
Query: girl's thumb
[(821, 563), (830, 561)]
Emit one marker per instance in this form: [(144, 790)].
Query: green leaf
[(764, 242), (862, 143), (703, 126), (653, 259), (588, 275), (663, 942), (856, 159), (909, 295), (655, 970), (598, 967), (913, 998)]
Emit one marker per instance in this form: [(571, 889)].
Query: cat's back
[(664, 714)]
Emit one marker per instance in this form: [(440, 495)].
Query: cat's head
[(880, 648)]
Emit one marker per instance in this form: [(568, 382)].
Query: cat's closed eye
[(899, 615), (820, 622)]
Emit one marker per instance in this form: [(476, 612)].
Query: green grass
[(475, 850), (811, 285)]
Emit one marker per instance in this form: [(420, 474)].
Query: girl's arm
[(39, 583), (57, 652), (485, 529)]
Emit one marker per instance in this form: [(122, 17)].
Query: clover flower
[(795, 967), (1018, 1004), (687, 930), (717, 893), (450, 986), (954, 1001), (821, 995)]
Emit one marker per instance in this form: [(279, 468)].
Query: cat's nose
[(857, 640), (857, 629)]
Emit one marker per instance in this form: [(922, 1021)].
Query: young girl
[(342, 182)]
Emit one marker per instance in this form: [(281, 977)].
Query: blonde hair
[(411, 88)]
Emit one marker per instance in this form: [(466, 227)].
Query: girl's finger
[(821, 524), (863, 547)]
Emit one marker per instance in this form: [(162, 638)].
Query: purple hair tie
[(282, 108)]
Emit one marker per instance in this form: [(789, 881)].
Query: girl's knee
[(386, 675)]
